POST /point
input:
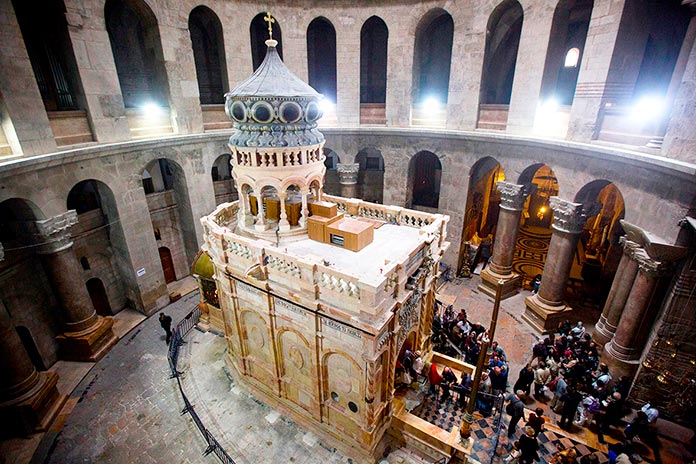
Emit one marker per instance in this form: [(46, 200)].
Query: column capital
[(54, 232), (629, 246), (648, 265), (567, 216), (512, 196), (347, 173)]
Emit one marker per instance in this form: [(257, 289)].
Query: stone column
[(24, 120), (546, 308), (97, 70), (87, 336), (620, 289), (283, 223), (512, 198), (622, 353), (348, 178), (305, 211), (29, 400), (679, 139)]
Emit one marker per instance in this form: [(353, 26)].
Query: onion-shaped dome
[(274, 107)]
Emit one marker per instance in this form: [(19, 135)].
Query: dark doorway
[(167, 264), (97, 293), (30, 347), (208, 54), (425, 172), (321, 57)]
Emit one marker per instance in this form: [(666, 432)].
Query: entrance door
[(167, 264), (97, 293)]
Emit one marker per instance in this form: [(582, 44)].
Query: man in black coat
[(515, 409), (571, 400), (166, 323)]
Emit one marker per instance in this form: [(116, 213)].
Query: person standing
[(525, 380), (529, 446), (541, 377), (570, 400), (515, 410), (166, 323)]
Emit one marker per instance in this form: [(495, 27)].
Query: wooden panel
[(356, 234), (316, 226), (293, 210), (323, 208), (272, 209), (214, 117), (254, 205), (70, 127)]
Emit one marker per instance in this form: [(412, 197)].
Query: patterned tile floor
[(447, 414)]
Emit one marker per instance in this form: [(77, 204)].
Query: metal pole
[(496, 308)]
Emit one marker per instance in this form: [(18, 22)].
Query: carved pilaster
[(512, 196), (54, 233), (347, 173), (567, 216)]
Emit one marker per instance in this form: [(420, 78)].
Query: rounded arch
[(500, 57), (18, 218), (331, 159), (424, 174), (433, 56), (222, 168), (207, 40), (321, 57), (258, 31), (374, 36), (137, 48)]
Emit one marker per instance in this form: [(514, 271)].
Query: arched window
[(572, 57), (373, 61), (433, 55), (259, 34), (50, 52), (208, 54), (425, 172), (137, 50), (502, 41), (321, 57), (85, 263)]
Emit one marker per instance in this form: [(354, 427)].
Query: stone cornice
[(512, 196), (655, 247), (54, 233), (567, 216)]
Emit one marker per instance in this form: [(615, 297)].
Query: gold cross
[(270, 20)]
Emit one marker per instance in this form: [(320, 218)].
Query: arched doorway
[(534, 235), (332, 186), (30, 347), (258, 30), (223, 185), (371, 174), (208, 54), (599, 251), (425, 172), (502, 42), (321, 57), (97, 293), (481, 215), (167, 264)]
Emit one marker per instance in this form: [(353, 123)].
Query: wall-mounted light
[(647, 108), (151, 110), (431, 106)]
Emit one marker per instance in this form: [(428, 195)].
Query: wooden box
[(316, 227), (349, 233), (323, 208)]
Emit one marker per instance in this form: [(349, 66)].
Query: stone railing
[(309, 279), (160, 200), (279, 158)]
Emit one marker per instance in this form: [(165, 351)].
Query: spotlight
[(550, 106), (327, 106), (151, 110), (648, 107), (431, 106)]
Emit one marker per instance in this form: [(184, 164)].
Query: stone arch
[(97, 213), (170, 191), (321, 57), (371, 174), (302, 363), (342, 379), (256, 340), (331, 183), (599, 251), (571, 21), (424, 176), (374, 35), (223, 183), (258, 31), (137, 48), (500, 56), (433, 57), (207, 40)]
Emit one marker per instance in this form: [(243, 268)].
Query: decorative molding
[(409, 314), (54, 232), (567, 216), (347, 173), (512, 196)]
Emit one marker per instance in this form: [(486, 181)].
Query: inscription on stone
[(248, 292), (342, 328), (285, 307)]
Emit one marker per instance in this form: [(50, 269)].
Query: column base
[(602, 333), (35, 410), (619, 367), (88, 346), (544, 318), (489, 283)]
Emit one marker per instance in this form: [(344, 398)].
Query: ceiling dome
[(274, 107)]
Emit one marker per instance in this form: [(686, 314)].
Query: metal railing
[(178, 334)]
